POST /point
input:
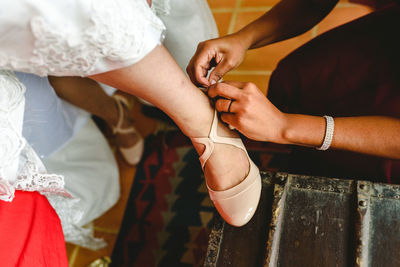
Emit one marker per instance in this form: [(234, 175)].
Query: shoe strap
[(209, 144), (121, 103), (213, 138)]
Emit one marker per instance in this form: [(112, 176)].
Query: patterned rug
[(169, 213)]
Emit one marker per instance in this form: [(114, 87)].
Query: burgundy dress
[(352, 70)]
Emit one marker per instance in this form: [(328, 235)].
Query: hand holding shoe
[(250, 112), (225, 54)]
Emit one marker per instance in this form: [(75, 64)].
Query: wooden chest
[(313, 221)]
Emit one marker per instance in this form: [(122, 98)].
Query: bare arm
[(257, 118), (374, 135), (285, 20)]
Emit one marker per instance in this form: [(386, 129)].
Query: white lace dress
[(78, 38), (20, 167), (75, 37), (72, 37)]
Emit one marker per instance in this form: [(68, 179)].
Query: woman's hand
[(225, 53), (250, 112)]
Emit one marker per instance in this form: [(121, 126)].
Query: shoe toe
[(132, 155), (237, 205)]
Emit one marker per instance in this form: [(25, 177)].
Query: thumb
[(220, 70)]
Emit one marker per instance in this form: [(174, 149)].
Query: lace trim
[(11, 92), (11, 143), (14, 149), (33, 176), (126, 37), (69, 212), (11, 140), (6, 190)]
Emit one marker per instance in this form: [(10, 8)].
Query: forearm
[(374, 135), (287, 19)]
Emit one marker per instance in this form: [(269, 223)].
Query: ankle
[(199, 148), (196, 127)]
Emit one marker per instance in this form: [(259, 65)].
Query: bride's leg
[(88, 95), (159, 80)]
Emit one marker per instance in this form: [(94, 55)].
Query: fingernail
[(213, 82)]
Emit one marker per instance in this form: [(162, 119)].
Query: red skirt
[(30, 232)]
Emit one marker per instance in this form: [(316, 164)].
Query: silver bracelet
[(330, 126)]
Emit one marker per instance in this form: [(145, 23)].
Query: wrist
[(303, 130), (286, 130), (278, 131), (243, 38)]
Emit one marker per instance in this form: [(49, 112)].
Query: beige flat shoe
[(237, 204), (133, 154)]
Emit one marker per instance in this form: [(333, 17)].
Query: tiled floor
[(257, 67)]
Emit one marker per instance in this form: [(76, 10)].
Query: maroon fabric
[(30, 232), (353, 70)]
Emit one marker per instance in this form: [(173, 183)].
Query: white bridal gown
[(76, 38)]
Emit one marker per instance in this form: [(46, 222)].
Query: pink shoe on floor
[(133, 154), (237, 204)]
